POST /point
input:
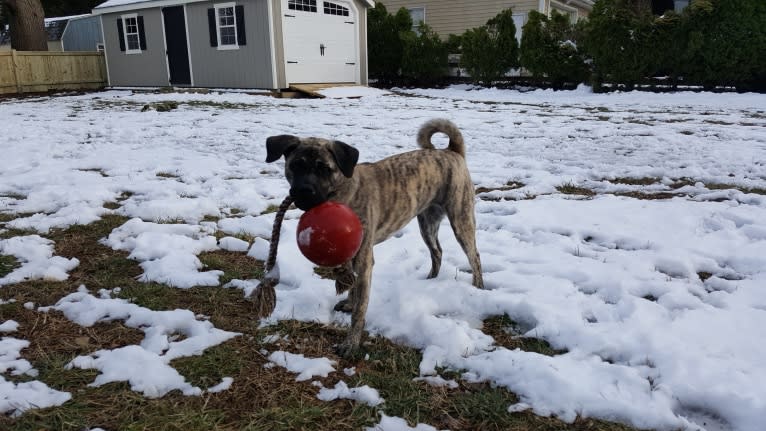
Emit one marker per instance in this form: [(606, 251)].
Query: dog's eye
[(299, 165), (322, 167)]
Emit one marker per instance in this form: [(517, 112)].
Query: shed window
[(335, 9), (131, 34), (227, 26), (303, 5)]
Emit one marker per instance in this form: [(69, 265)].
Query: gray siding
[(82, 34), (148, 68), (247, 67)]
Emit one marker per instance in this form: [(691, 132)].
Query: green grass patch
[(572, 189), (643, 181), (235, 265), (214, 364), (510, 185), (8, 264), (506, 333), (270, 209), (167, 175)]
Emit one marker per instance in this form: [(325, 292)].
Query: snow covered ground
[(660, 304)]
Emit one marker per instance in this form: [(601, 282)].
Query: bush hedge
[(490, 51), (400, 56), (711, 43), (549, 49)]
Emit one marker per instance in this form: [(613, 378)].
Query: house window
[(227, 26), (303, 5), (335, 9), (519, 20), (418, 15), (132, 37)]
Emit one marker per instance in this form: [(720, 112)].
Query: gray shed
[(269, 44)]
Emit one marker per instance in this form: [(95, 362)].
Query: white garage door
[(320, 39)]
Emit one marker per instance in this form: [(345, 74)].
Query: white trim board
[(128, 5)]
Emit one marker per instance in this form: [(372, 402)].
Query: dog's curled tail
[(445, 126)]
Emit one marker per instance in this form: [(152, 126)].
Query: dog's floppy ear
[(345, 156), (277, 146)]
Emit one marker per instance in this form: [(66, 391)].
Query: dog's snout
[(305, 197)]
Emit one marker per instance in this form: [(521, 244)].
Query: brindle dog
[(386, 195)]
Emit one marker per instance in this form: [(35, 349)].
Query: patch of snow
[(146, 366), (223, 386), (305, 367), (391, 423), (363, 394), (35, 254)]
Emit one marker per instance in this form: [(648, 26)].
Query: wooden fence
[(37, 71)]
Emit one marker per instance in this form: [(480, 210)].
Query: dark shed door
[(175, 40)]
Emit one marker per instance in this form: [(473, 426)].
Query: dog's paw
[(344, 305), (349, 352), (351, 348)]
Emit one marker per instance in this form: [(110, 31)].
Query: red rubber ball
[(329, 234)]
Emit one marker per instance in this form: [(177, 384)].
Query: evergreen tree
[(549, 49), (491, 51)]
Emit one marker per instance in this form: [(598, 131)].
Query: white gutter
[(141, 4)]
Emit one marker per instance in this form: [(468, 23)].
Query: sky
[(659, 304)]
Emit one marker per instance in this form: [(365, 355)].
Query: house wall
[(455, 17), (247, 67), (82, 34), (149, 68)]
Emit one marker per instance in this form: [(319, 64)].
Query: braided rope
[(275, 232), (265, 297)]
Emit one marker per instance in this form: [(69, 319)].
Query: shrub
[(384, 43), (549, 49), (424, 60), (618, 41), (723, 43), (490, 51)]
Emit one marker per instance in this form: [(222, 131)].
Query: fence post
[(15, 66)]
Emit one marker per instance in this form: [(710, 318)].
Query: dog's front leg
[(359, 295)]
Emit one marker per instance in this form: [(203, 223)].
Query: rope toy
[(265, 296)]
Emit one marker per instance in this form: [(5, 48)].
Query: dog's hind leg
[(463, 223), (429, 221)]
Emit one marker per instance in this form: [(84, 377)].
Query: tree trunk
[(27, 25)]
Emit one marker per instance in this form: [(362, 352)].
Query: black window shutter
[(211, 27), (240, 13), (141, 35), (121, 34)]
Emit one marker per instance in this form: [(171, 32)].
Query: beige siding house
[(447, 17)]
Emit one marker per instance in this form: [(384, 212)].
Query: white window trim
[(217, 7), (125, 33), (423, 8), (572, 11)]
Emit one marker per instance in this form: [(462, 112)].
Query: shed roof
[(54, 28), (125, 5)]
